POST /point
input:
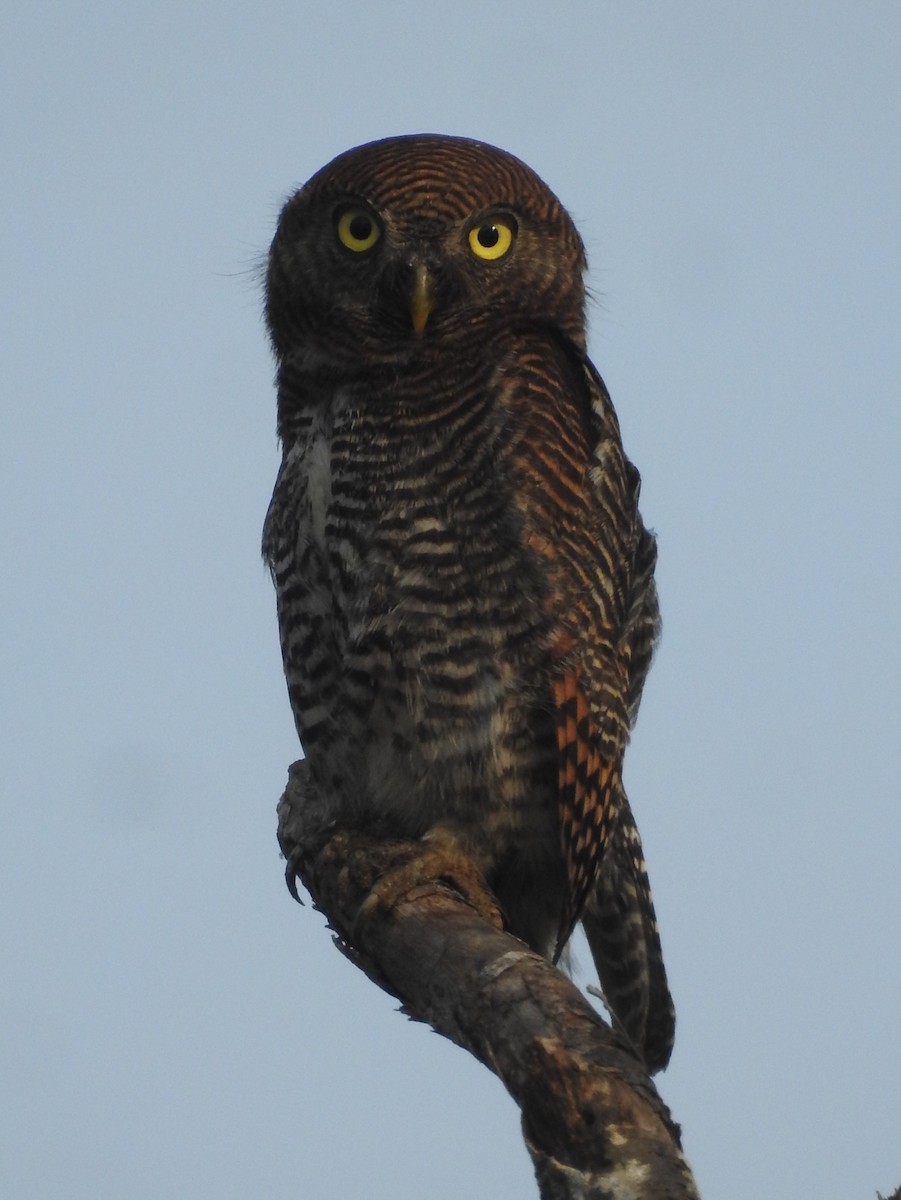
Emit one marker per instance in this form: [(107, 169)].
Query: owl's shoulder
[(303, 487)]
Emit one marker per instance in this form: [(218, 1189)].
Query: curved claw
[(291, 877)]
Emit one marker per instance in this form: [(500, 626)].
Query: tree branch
[(592, 1119)]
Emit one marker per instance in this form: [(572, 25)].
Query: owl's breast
[(413, 621), (435, 602)]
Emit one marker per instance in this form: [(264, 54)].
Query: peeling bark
[(592, 1119)]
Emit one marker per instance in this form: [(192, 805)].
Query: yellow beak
[(422, 301)]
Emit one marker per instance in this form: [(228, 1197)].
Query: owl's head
[(397, 247)]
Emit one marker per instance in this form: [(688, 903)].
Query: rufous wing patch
[(586, 798)]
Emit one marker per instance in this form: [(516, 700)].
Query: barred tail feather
[(621, 927)]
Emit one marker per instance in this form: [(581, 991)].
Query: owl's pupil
[(360, 228), (488, 236)]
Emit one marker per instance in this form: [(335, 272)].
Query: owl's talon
[(433, 864), (292, 875), (291, 881)]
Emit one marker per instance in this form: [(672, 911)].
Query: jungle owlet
[(465, 587)]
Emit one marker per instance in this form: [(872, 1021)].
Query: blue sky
[(172, 1024)]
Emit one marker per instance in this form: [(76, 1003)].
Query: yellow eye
[(358, 230), (491, 240)]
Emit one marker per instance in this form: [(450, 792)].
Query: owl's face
[(401, 246)]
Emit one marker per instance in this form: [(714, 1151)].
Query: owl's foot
[(439, 859)]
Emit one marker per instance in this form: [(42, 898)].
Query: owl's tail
[(621, 927)]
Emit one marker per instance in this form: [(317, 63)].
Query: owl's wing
[(578, 496)]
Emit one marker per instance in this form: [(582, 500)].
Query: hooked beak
[(422, 300)]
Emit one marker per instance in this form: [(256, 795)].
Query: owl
[(465, 588)]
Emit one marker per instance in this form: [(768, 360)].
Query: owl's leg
[(439, 858), (305, 822)]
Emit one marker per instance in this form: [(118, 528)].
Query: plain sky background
[(171, 1024)]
